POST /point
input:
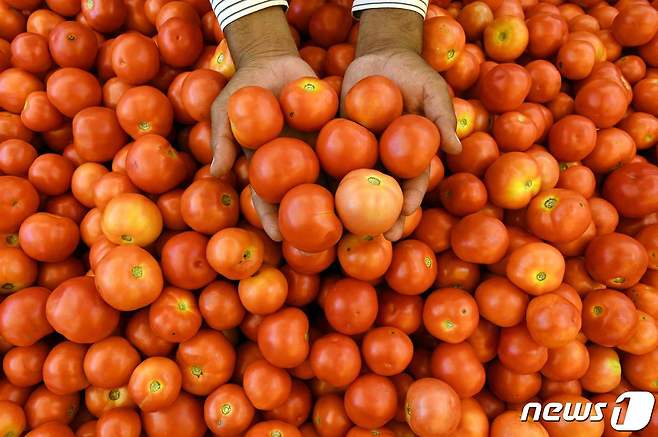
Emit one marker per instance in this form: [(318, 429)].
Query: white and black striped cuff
[(227, 11), (419, 6)]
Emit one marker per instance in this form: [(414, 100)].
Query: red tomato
[(200, 88), (450, 314), (308, 104), (175, 316), (631, 189), (365, 258), (283, 338), (558, 215), (329, 24), (97, 133), (47, 237), (459, 366), (432, 407), (408, 144), (505, 87), (71, 90), (17, 270), (413, 268), (62, 369), (135, 58), (144, 110), (505, 38), (253, 128), (374, 102), (479, 238), (209, 205), (15, 85), (155, 384), (264, 292), (143, 227), (185, 413), (443, 42)]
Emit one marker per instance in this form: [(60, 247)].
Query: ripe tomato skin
[(144, 110), (519, 352), (336, 359), (270, 427), (12, 418), (18, 200), (180, 41), (504, 87), (220, 305), (135, 58), (207, 361), (631, 189), (16, 156), (329, 24), (252, 128), (175, 316), (280, 165), (60, 86), (235, 253), (590, 104), (563, 428), (640, 369), (44, 406), (199, 90), (100, 400), (553, 321), (432, 407), (479, 238), (307, 219), (566, 363), (616, 260), (537, 268), (228, 411), (185, 413), (264, 292), (407, 145), (374, 102), (142, 229), (459, 366), (365, 258), (110, 362), (387, 350), (140, 334), (501, 302), (23, 316), (308, 104), (17, 270), (23, 365), (450, 314), (266, 386), (558, 215), (155, 383), (443, 42), (512, 180), (209, 205), (120, 421), (368, 202), (153, 165), (283, 338), (183, 261), (371, 401), (306, 262), (350, 306), (505, 38), (608, 317), (343, 146), (413, 268), (62, 369)]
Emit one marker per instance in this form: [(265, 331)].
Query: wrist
[(261, 35), (402, 31)]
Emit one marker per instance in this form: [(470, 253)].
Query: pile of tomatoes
[(140, 295)]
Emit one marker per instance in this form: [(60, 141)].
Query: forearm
[(387, 29), (264, 33)]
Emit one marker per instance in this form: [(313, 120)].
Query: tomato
[(373, 102), (474, 17), (450, 314), (131, 218), (73, 44), (110, 362), (558, 215), (479, 238), (443, 42), (572, 138), (365, 258), (512, 180), (199, 90), (308, 104), (120, 421), (174, 316), (228, 411), (12, 419), (501, 302), (283, 338), (99, 400), (144, 110), (23, 365), (608, 317), (630, 189), (413, 268), (16, 157), (155, 383), (62, 369), (180, 41), (387, 350), (335, 358), (71, 90), (329, 24), (220, 305), (635, 26), (252, 128), (15, 85), (266, 386), (306, 262), (537, 268), (39, 114), (642, 127), (505, 38), (18, 270), (562, 428), (153, 165), (234, 253), (519, 352), (281, 165), (464, 73), (270, 427), (307, 219), (185, 413), (479, 151), (50, 429), (603, 111), (209, 205), (44, 406), (11, 127), (509, 423), (97, 133), (76, 310), (368, 202), (329, 415), (458, 366), (371, 401), (135, 58), (408, 144), (616, 260), (432, 407), (140, 334), (504, 87), (264, 292), (47, 237), (23, 317)]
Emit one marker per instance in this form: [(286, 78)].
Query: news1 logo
[(638, 413)]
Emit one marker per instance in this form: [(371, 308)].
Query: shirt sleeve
[(419, 6), (227, 11)]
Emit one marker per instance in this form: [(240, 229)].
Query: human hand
[(270, 61), (424, 91)]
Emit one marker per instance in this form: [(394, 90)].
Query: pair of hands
[(423, 89)]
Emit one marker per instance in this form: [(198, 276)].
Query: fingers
[(414, 191), (221, 139), (395, 233), (269, 216), (439, 109)]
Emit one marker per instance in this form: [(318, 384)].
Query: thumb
[(439, 109), (224, 151), (414, 191), (268, 214)]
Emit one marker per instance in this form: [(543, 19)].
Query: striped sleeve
[(419, 6), (227, 11)]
